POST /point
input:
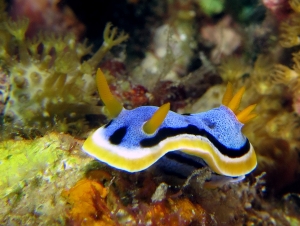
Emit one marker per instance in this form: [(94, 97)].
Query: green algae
[(24, 160), (211, 7), (34, 173)]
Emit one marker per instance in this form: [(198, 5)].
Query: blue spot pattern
[(220, 122)]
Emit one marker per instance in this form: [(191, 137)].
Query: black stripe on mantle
[(164, 133)]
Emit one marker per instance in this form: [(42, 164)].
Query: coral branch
[(110, 40)]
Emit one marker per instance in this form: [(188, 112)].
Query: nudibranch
[(135, 139)]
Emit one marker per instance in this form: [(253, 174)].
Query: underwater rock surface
[(182, 52), (33, 175)]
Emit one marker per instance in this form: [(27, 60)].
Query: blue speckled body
[(220, 122), (178, 144)]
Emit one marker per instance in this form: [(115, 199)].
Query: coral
[(241, 204), (173, 49), (295, 5), (4, 89), (274, 84), (49, 79), (49, 16), (49, 181), (34, 173), (274, 133), (289, 31), (136, 96), (223, 37), (174, 212), (289, 28), (110, 39), (92, 204), (260, 78), (128, 199), (279, 8), (284, 75), (88, 206), (214, 95), (111, 197), (130, 94), (167, 91), (232, 68)]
